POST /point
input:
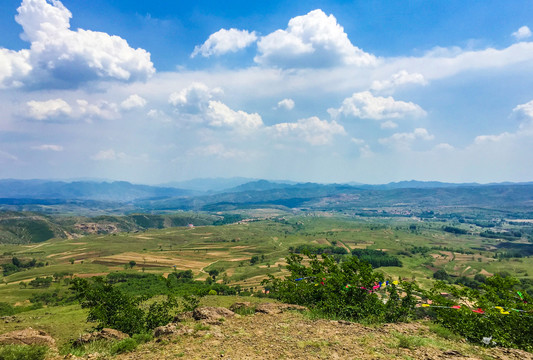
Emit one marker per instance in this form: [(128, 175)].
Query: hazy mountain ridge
[(121, 191), (112, 197)]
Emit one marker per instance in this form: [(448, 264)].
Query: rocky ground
[(278, 331), (286, 334)]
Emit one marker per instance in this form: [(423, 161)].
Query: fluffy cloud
[(404, 140), (388, 125), (197, 101), (287, 104), (133, 101), (364, 105), (100, 109), (399, 79), (524, 111), (48, 147), (312, 130), (220, 115), (14, 65), (312, 40), (61, 57), (522, 33), (194, 99), (43, 110), (224, 41)]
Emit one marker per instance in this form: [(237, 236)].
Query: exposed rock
[(184, 316), (172, 329), (241, 305), (452, 353), (212, 315), (27, 336), (8, 319), (166, 330), (104, 334), (272, 309)]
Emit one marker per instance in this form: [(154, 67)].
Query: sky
[(323, 91)]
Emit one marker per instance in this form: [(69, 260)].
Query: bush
[(6, 309), (342, 290), (22, 352), (376, 258), (507, 327), (111, 307)]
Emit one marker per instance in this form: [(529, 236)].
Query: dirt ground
[(294, 336)]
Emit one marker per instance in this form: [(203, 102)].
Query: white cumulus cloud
[(99, 109), (404, 140), (311, 40), (523, 33), (224, 41), (312, 130), (43, 110), (61, 57), (388, 125), (132, 102), (194, 99), (220, 115), (399, 79), (287, 104), (198, 102), (365, 105)]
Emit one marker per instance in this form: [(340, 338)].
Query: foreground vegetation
[(135, 281)]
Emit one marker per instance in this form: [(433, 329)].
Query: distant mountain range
[(118, 191), (237, 193)]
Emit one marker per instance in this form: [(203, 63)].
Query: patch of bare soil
[(291, 335), (96, 228)]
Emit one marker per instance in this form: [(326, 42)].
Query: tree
[(254, 259), (132, 264), (441, 275), (213, 273)]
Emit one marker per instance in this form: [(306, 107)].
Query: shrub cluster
[(507, 319), (342, 290)]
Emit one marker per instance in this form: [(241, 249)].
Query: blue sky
[(328, 91)]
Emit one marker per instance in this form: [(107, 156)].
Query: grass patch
[(443, 332), (408, 342), (22, 352), (123, 346), (201, 327)]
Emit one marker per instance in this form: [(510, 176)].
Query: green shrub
[(6, 309), (22, 352), (143, 338), (123, 346), (212, 292), (506, 327), (342, 290)]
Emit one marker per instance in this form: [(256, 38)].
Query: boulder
[(104, 334), (166, 330), (172, 329), (184, 316), (211, 314), (27, 336), (241, 305), (272, 308)]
